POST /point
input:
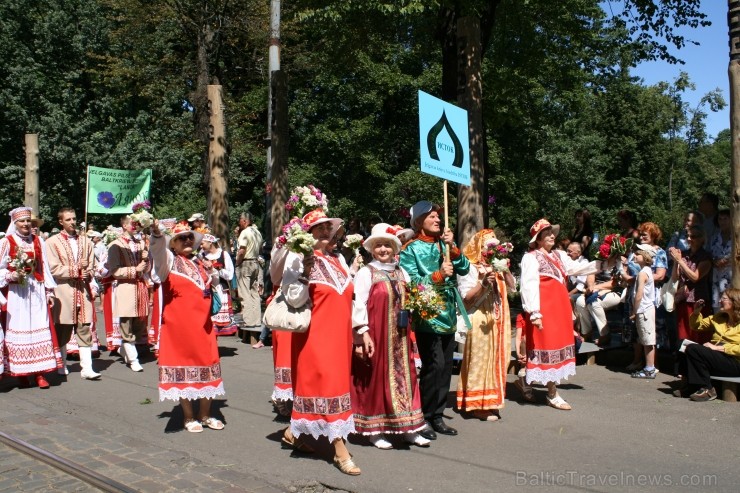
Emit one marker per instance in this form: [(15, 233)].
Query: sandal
[(296, 444), (526, 390), (212, 423), (558, 403), (347, 466), (193, 426)]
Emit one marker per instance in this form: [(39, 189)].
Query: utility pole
[(276, 192), (31, 198)]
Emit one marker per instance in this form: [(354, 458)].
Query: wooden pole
[(87, 191), (447, 220), (279, 144), (733, 21), (31, 198), (471, 201), (218, 166)]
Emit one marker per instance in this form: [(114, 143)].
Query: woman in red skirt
[(551, 349), (189, 365)]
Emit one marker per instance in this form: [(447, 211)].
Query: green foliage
[(116, 83)]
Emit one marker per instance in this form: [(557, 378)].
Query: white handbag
[(667, 294), (279, 315)]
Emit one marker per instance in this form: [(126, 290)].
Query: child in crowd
[(643, 310)]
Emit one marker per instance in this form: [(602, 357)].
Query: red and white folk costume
[(282, 390), (321, 357), (223, 321), (30, 343), (189, 364)]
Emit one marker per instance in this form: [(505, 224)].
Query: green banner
[(114, 191)]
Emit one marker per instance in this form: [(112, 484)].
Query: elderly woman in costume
[(385, 391), (321, 356), (551, 350), (482, 384), (189, 364), (30, 345), (221, 261)]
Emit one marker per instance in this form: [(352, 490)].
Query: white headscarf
[(16, 214)]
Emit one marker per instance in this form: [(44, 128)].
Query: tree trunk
[(733, 19), (31, 198), (471, 214), (279, 143), (218, 159)]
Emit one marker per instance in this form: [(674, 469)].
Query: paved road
[(623, 435)]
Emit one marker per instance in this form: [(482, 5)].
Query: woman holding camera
[(385, 390)]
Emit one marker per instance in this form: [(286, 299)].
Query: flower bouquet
[(142, 219), (354, 242), (496, 254), (22, 264), (614, 246), (305, 199), (424, 301), (111, 234), (296, 237)]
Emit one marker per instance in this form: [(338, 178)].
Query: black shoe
[(428, 432), (440, 427)]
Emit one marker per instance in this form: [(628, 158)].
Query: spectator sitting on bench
[(602, 293), (719, 357)]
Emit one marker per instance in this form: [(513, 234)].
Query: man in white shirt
[(249, 273)]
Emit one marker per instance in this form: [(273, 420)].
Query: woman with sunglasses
[(189, 365), (694, 283)]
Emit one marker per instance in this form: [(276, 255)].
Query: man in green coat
[(424, 260)]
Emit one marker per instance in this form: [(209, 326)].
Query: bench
[(729, 388)]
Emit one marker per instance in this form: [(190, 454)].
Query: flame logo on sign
[(432, 141)]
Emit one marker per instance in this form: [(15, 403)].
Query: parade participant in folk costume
[(424, 260), (385, 390), (551, 349), (72, 263), (198, 222), (482, 384), (223, 321), (128, 265), (249, 274), (108, 286), (189, 364), (31, 348), (321, 356)]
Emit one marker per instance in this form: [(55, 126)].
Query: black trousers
[(701, 362), (436, 352)]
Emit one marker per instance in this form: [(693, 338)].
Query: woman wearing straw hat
[(549, 320), (385, 390), (321, 357), (189, 364)]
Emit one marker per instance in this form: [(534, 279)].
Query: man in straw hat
[(424, 259), (72, 263)]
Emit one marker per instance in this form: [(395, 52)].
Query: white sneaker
[(136, 366), (416, 439), (380, 442)]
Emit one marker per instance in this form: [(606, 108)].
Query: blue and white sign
[(443, 139)]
